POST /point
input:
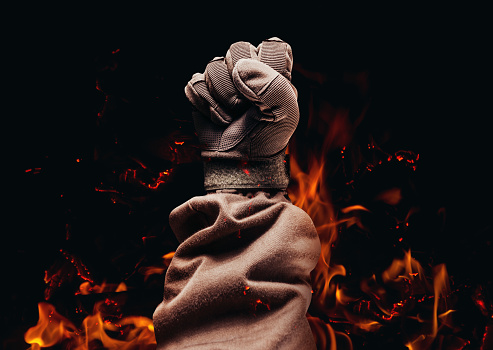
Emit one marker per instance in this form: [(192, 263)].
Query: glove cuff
[(269, 173)]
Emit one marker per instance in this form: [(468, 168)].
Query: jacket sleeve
[(240, 278)]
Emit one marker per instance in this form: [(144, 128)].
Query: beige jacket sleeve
[(240, 278)]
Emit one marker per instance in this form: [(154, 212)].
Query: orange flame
[(404, 275), (311, 196), (441, 289), (51, 328), (133, 332), (140, 336), (87, 288), (147, 271)]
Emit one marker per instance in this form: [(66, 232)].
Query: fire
[(51, 328), (87, 288), (403, 295), (311, 196), (441, 289), (127, 333), (375, 304), (105, 326), (148, 271), (135, 332)]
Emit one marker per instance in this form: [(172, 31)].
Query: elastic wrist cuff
[(252, 174)]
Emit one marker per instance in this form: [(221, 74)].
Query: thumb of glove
[(269, 90)]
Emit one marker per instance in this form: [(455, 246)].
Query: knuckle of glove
[(267, 88), (222, 89), (199, 95)]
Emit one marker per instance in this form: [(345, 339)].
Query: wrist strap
[(251, 174)]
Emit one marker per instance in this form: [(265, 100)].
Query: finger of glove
[(277, 54), (217, 138), (237, 51), (198, 94), (222, 89), (267, 88)]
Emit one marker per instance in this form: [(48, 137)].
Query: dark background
[(429, 86)]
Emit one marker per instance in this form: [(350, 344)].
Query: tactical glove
[(245, 111)]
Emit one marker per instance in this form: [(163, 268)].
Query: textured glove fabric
[(240, 278), (245, 108)]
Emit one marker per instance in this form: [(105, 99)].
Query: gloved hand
[(245, 113)]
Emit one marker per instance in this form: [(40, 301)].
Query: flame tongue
[(132, 332), (51, 328)]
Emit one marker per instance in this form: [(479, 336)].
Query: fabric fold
[(240, 278)]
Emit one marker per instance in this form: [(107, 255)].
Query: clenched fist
[(245, 109)]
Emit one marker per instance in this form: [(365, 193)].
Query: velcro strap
[(252, 174)]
